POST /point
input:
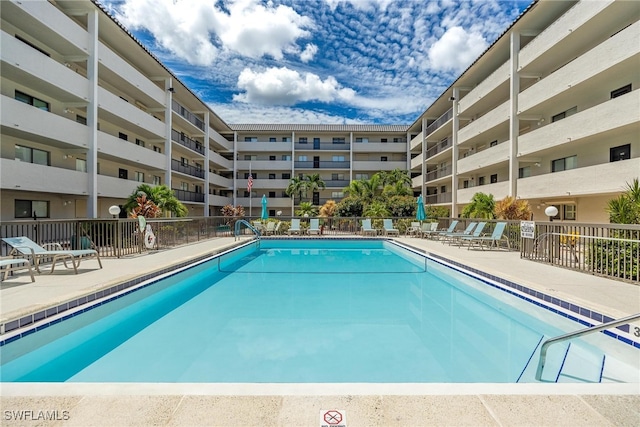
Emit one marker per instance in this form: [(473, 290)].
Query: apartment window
[(157, 149), (363, 140), (623, 152), (337, 194), (302, 140), (81, 165), (31, 208), (246, 175), (338, 158), (383, 158), (272, 158), (337, 176), (286, 176), (362, 176), (493, 143), (443, 189), (123, 136), (184, 161), (302, 158), (273, 139), (286, 139), (316, 140), (272, 194), (250, 139), (564, 114), (481, 180), (184, 186), (81, 119), (32, 155), (139, 142), (465, 183), (250, 157), (286, 157), (397, 139), (494, 178), (625, 89), (444, 142), (569, 212), (139, 176), (247, 194), (383, 139), (32, 46), (272, 176), (524, 172), (284, 194), (156, 180), (123, 174), (32, 100), (564, 164), (338, 140)]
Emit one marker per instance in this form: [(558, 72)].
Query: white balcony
[(377, 165), (21, 176), (490, 156), (619, 47), (220, 181), (416, 141), (500, 190), (270, 184), (484, 88), (416, 181), (492, 119), (28, 122), (220, 140), (220, 161), (127, 152), (606, 178), (379, 147), (271, 147), (121, 112), (215, 200), (109, 186), (264, 165), (606, 117), (416, 162), (52, 77)]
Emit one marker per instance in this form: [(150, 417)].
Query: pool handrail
[(236, 230), (576, 334)]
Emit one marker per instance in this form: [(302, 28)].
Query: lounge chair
[(428, 229), (12, 264), (35, 253), (414, 229), (455, 234), (387, 224), (476, 233), (367, 229), (295, 227), (493, 239), (452, 227), (269, 229), (314, 226)]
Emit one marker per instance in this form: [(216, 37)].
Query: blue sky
[(317, 61)]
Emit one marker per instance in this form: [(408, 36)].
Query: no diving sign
[(333, 418)]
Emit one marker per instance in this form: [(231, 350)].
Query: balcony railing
[(439, 173), (177, 166), (337, 183), (322, 146), (188, 115), (323, 164), (439, 122), (189, 196), (440, 146), (184, 140), (438, 198)]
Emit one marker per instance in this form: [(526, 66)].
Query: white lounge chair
[(270, 228), (493, 240), (295, 227), (35, 253), (367, 229), (389, 229), (414, 229), (12, 264), (314, 226)]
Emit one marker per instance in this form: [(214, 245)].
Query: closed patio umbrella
[(265, 213), (420, 213)]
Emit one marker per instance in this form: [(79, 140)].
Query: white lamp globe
[(114, 210), (551, 211)]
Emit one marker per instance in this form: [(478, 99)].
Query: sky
[(317, 61)]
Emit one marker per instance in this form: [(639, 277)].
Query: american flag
[(249, 183)]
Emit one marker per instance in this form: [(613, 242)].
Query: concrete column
[(206, 164), (235, 168), (168, 86), (454, 154), (514, 122), (350, 156), (92, 116), (423, 147)]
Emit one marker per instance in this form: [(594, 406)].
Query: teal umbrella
[(420, 213), (265, 213)]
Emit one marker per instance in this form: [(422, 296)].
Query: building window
[(123, 174), (272, 194), (383, 158), (286, 139), (286, 176), (184, 161), (81, 165), (139, 142), (286, 157), (338, 158), (246, 175), (338, 140), (31, 100), (250, 157), (622, 152), (465, 183), (139, 176), (398, 139), (337, 194), (524, 172), (569, 212), (156, 180), (123, 136), (247, 194), (157, 149), (337, 176), (481, 180), (302, 140), (302, 158), (564, 114), (272, 176), (443, 189), (32, 155), (272, 158), (383, 139), (31, 209), (273, 139), (494, 178), (625, 89), (81, 119), (362, 140), (362, 176), (493, 143), (250, 139), (564, 164)]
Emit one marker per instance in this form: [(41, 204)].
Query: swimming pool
[(314, 311)]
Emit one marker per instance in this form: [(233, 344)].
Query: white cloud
[(252, 113), (198, 31), (309, 52), (456, 49), (361, 4), (283, 86)]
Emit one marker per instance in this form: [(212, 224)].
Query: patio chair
[(452, 227), (476, 233), (314, 226), (270, 228), (387, 224), (31, 250), (295, 227), (414, 229), (8, 265), (428, 229), (455, 234), (367, 229), (493, 239)]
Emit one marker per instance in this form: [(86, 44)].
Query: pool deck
[(302, 404)]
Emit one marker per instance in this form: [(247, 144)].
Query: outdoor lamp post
[(115, 211), (551, 211)]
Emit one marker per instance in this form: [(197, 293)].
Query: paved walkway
[(286, 404)]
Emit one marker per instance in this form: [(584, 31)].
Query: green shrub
[(614, 257)]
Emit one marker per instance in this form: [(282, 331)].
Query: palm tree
[(314, 182), (297, 187), (161, 195), (307, 208), (481, 206), (396, 176), (626, 208), (355, 189)]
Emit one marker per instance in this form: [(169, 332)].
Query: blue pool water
[(302, 311)]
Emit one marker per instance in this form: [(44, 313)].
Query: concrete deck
[(301, 404)]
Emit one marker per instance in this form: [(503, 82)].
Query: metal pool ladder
[(576, 334), (240, 222)]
